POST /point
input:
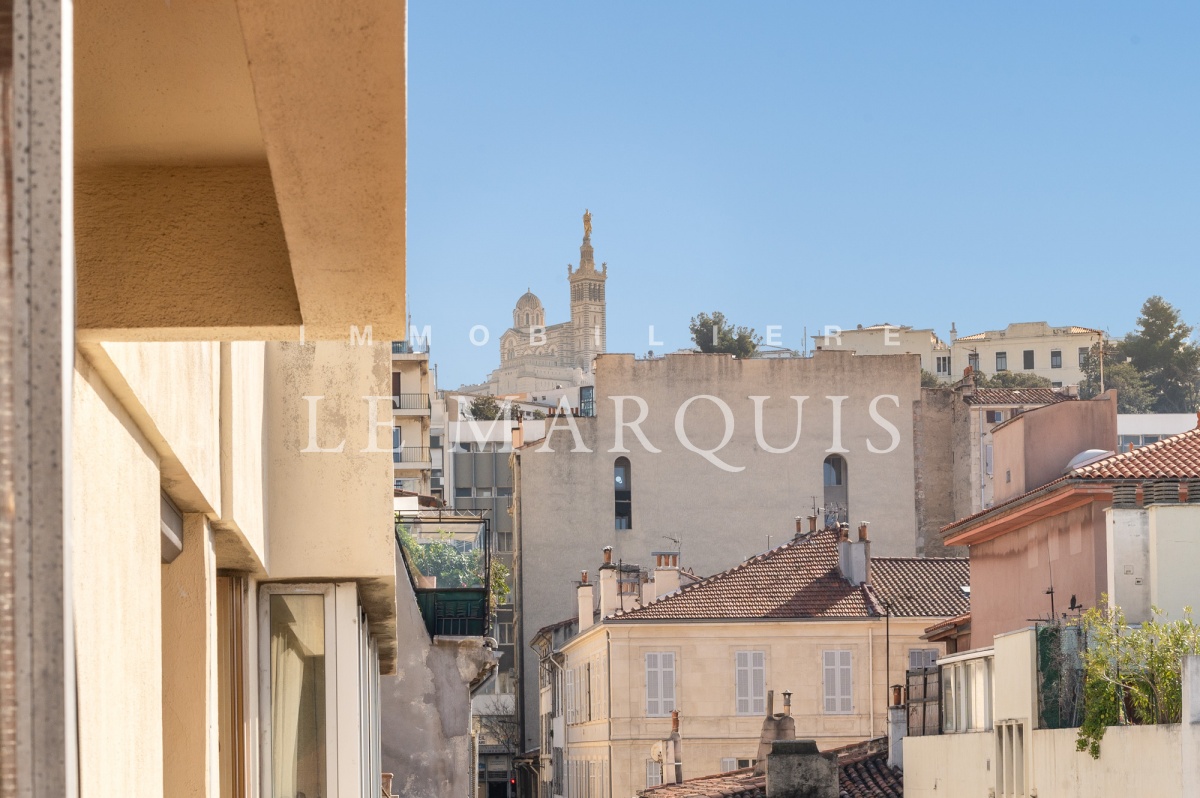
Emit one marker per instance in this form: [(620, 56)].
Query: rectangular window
[(995, 416), (1055, 358), (504, 541), (942, 364), (1002, 361), (504, 491), (660, 683), (462, 493), (920, 658), (396, 445), (1028, 359), (751, 682), (299, 695), (435, 440), (569, 676), (987, 459), (973, 361), (653, 773), (838, 682), (504, 635), (483, 493), (1056, 385), (728, 763), (1083, 354)]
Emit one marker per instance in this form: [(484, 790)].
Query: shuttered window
[(570, 679), (751, 682), (838, 682), (728, 763), (660, 683), (653, 773)]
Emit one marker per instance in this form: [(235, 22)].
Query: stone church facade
[(535, 356)]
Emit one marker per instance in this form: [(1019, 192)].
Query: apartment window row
[(586, 688), (587, 778), (942, 364), (729, 763), (483, 493), (1028, 359), (750, 681)]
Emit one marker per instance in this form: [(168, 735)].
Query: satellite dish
[(1086, 458), (656, 752)]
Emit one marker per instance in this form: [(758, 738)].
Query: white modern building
[(1056, 353)]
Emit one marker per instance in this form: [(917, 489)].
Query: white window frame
[(352, 723), (750, 682), (660, 705), (837, 679), (923, 654)]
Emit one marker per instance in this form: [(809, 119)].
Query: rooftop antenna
[(1050, 590)]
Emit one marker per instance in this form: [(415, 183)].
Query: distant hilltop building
[(537, 357)]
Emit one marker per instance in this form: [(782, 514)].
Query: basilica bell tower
[(589, 331)]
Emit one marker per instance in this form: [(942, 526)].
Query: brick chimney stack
[(666, 572)]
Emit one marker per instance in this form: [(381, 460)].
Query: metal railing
[(459, 611), (410, 401), (411, 454), (409, 348)]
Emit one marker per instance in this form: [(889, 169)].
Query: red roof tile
[(801, 579), (1016, 396), (1176, 457), (859, 776)]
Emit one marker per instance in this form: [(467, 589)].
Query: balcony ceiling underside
[(240, 168)]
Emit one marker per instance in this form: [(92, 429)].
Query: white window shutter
[(653, 773), (742, 671), (653, 680), (668, 682), (845, 680), (570, 691), (758, 682), (728, 763), (830, 680)]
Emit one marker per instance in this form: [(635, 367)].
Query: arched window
[(837, 490), (622, 487), (526, 319)]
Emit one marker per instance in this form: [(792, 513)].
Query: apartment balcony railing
[(414, 456), (458, 611), (409, 348), (410, 401)]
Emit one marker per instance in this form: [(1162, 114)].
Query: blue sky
[(801, 164)]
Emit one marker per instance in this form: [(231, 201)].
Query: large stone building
[(674, 457), (1034, 347), (535, 356)]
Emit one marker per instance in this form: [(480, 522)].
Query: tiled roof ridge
[(914, 558), (728, 572), (1092, 470)]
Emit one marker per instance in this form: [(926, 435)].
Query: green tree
[(929, 380), (1010, 379), (1134, 394), (485, 408), (715, 334), (454, 566), (1132, 674), (1162, 350)]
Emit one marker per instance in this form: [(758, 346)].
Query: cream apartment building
[(891, 339), (1034, 347), (198, 592), (808, 620), (413, 396)]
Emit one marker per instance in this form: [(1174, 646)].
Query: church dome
[(529, 301), (528, 312)]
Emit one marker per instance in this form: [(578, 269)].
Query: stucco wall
[(1010, 574), (1173, 554), (346, 532), (426, 707), (1128, 561), (718, 518), (243, 441), (941, 470), (176, 386), (949, 765), (117, 598)]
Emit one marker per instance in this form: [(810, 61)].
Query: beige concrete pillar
[(191, 754)]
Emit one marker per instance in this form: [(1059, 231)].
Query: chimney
[(587, 602), (797, 769), (812, 524), (897, 728), (518, 435), (673, 758), (774, 727), (854, 557), (608, 585), (666, 572), (799, 526)]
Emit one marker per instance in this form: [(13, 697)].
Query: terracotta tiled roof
[(859, 777), (1176, 457), (1016, 396), (922, 587), (801, 579), (1066, 330)]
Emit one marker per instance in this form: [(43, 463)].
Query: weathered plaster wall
[(941, 472), (1173, 553), (1010, 574), (347, 532), (426, 707), (117, 598)]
